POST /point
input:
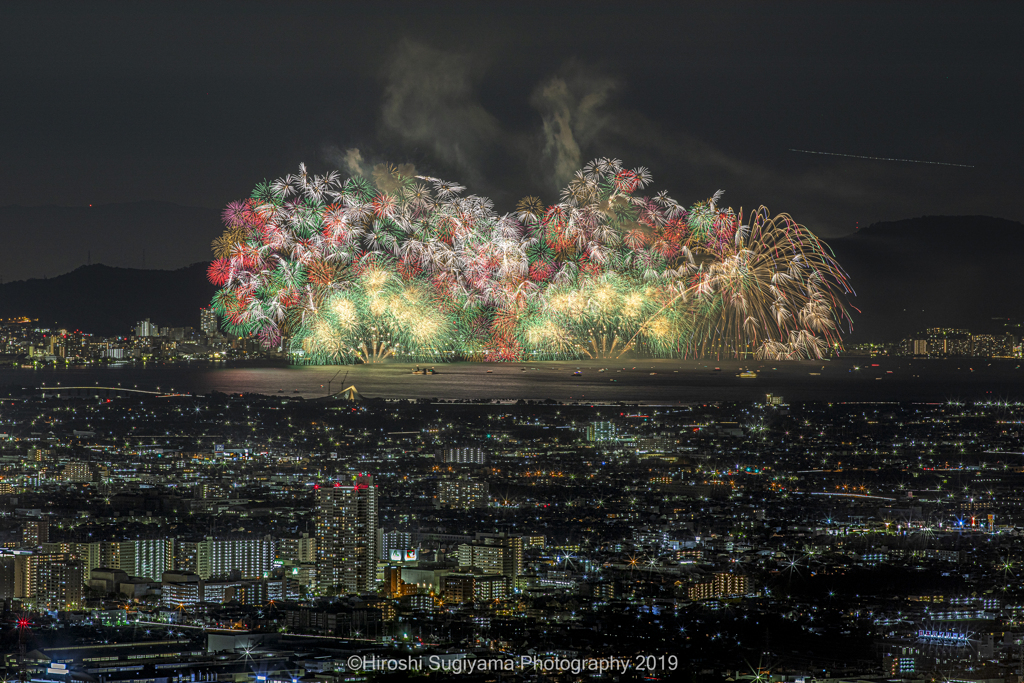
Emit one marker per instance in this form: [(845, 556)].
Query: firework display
[(405, 266)]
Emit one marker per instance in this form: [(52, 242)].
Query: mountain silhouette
[(45, 241), (108, 301), (933, 271)]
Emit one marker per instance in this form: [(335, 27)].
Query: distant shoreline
[(646, 382)]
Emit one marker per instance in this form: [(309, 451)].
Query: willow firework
[(406, 266)]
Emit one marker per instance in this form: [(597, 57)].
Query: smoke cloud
[(571, 109), (349, 160), (434, 112), (430, 103), (354, 162), (432, 106)]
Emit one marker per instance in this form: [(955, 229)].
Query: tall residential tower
[(346, 535)]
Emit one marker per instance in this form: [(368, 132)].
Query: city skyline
[(695, 517)]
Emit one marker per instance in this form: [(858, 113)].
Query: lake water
[(643, 381)]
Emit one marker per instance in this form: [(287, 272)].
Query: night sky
[(195, 103)]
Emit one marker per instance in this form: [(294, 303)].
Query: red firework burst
[(635, 239), (408, 268), (384, 205), (540, 271), (244, 255), (289, 298), (321, 273), (219, 272), (555, 217), (626, 181)]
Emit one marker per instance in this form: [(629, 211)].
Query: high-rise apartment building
[(394, 540), (601, 432), (490, 559), (186, 556), (301, 550), (495, 555), (940, 342), (462, 455), (943, 341), (59, 582), (49, 580), (76, 471), (89, 553), (245, 558), (208, 321), (469, 587), (462, 493), (346, 535), (180, 590), (34, 533), (144, 328), (992, 345), (6, 578), (722, 584), (146, 557)]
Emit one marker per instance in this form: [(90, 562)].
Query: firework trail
[(406, 266), (858, 156)]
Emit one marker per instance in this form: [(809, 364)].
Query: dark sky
[(195, 103)]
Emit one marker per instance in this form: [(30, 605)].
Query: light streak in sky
[(858, 156)]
